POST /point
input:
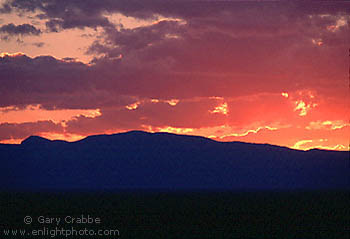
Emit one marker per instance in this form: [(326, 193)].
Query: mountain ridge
[(34, 139), (142, 160)]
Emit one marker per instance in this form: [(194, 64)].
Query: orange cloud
[(221, 109)]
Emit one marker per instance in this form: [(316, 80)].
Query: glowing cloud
[(329, 125), (303, 107), (340, 22), (285, 94), (254, 131), (220, 109), (175, 130), (314, 144), (133, 106), (298, 144), (173, 102), (300, 105), (317, 42), (6, 54)]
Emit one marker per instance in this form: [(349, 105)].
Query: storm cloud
[(23, 29)]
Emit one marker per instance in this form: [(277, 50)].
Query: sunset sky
[(263, 72)]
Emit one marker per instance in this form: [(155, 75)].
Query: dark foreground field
[(187, 214)]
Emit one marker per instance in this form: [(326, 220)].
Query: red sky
[(265, 72)]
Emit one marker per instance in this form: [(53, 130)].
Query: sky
[(274, 72)]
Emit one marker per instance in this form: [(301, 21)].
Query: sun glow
[(11, 141), (65, 136)]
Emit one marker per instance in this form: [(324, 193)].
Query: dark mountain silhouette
[(140, 160)]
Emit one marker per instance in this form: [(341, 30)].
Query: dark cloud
[(23, 29), (5, 38), (26, 80), (80, 13), (5, 8), (139, 38), (39, 44), (54, 25), (59, 84), (213, 49), (76, 21), (65, 14), (23, 130)]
